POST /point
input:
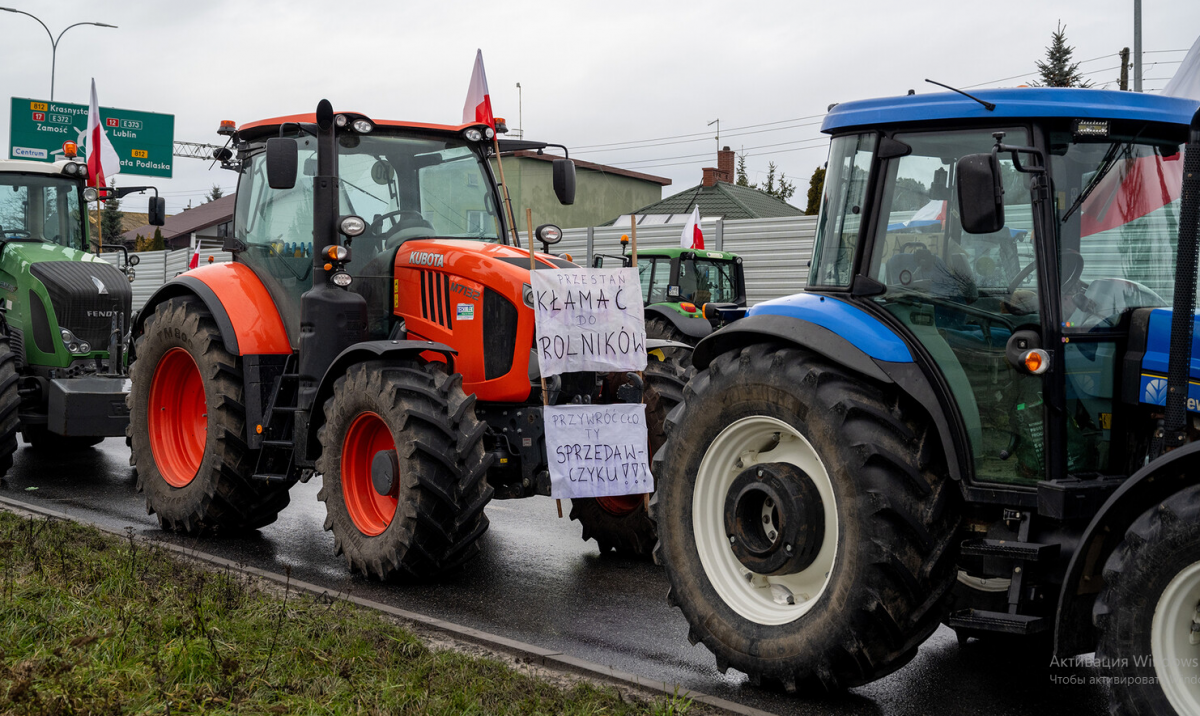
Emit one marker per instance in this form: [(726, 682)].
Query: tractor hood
[(435, 253), (1155, 330)]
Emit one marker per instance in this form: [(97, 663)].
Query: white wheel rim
[(747, 442), (1176, 657)]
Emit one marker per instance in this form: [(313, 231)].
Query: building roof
[(1017, 102), (602, 168), (721, 200), (185, 222)]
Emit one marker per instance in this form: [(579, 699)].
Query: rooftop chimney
[(710, 176), (725, 165)]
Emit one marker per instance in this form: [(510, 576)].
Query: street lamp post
[(54, 40)]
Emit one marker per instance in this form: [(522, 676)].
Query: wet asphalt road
[(539, 583)]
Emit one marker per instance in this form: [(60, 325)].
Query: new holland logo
[(424, 258), (100, 287)]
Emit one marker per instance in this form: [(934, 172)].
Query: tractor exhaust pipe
[(1173, 432)]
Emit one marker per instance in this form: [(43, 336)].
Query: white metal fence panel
[(157, 267)]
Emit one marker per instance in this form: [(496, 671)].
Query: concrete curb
[(530, 653)]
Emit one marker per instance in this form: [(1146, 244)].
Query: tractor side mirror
[(980, 196), (281, 162), (156, 213), (564, 181)]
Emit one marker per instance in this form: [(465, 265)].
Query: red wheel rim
[(178, 420), (370, 511), (620, 505)]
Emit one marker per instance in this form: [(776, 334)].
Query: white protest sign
[(588, 320), (597, 450)]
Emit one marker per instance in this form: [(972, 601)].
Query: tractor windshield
[(41, 206), (1117, 205), (707, 281), (415, 187)]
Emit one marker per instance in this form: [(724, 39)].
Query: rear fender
[(692, 327), (845, 335), (244, 312), (358, 353), (1175, 471)]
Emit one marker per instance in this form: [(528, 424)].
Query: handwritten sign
[(597, 450), (588, 319)]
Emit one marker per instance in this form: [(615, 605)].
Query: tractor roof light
[(228, 128), (352, 226), (489, 132), (341, 120), (91, 194), (71, 169), (363, 126), (548, 234), (70, 150), (473, 134)]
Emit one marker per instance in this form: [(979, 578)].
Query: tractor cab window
[(964, 295), (706, 281), (654, 272), (41, 206), (842, 208), (1117, 205)]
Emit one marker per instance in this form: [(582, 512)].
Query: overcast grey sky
[(593, 73)]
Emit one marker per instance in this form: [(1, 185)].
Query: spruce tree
[(110, 220), (742, 179), (1058, 70), (816, 186)]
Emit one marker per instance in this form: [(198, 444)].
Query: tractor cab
[(688, 291), (1047, 223)]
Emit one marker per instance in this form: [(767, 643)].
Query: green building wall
[(599, 196)]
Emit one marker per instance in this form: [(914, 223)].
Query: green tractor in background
[(688, 293), (64, 313)]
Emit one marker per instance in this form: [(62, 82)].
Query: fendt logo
[(424, 258), (101, 314)]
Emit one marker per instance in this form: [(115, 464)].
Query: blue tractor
[(982, 411)]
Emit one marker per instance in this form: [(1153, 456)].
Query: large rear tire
[(10, 403), (1148, 609), (832, 488), (661, 328), (403, 470), (187, 425), (622, 524)]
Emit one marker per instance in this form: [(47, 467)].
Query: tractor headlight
[(340, 120), (66, 335), (131, 274), (341, 278), (71, 169), (489, 132), (352, 225), (90, 194), (363, 126), (85, 347), (527, 295), (473, 134), (73, 347), (337, 253)]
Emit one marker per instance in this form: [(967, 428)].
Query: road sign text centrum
[(144, 140)]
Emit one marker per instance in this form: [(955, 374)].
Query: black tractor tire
[(897, 516), (632, 532), (661, 328), (10, 404), (441, 487), (42, 440), (222, 497), (1159, 546)]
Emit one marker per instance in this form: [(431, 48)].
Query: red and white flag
[(478, 108), (195, 262), (102, 161), (692, 237)]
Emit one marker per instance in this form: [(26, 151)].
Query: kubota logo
[(424, 258)]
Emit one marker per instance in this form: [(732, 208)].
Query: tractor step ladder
[(1021, 552), (276, 458)]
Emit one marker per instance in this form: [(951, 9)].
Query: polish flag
[(195, 262), (692, 237), (102, 161), (478, 108)]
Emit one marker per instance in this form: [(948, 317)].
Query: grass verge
[(90, 623)]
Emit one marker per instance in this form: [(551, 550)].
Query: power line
[(697, 134), (709, 154), (699, 139)]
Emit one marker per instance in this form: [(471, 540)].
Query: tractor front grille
[(85, 296), (500, 334), (435, 299)]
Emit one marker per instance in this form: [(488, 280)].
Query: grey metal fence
[(157, 267)]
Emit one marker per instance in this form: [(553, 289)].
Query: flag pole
[(532, 268), (641, 375), (512, 220)]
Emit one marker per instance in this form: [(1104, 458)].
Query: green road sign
[(144, 140)]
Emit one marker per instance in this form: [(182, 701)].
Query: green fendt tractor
[(688, 292), (64, 314)]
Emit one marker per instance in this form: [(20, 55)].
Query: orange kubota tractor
[(376, 328)]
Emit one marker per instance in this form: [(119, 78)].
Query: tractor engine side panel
[(472, 303)]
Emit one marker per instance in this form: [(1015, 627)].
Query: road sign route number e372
[(144, 141)]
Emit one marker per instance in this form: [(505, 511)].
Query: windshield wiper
[(1110, 158)]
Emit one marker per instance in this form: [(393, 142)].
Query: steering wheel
[(1071, 265), (396, 218)]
